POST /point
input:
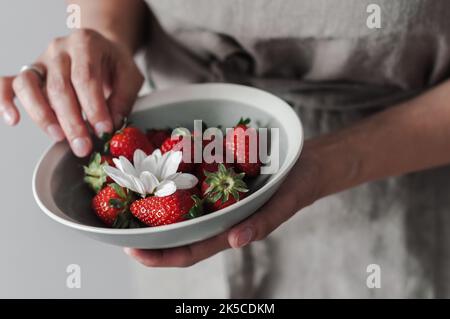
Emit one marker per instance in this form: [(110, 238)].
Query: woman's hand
[(300, 189), (85, 73)]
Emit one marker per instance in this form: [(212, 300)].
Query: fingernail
[(81, 146), (102, 127), (118, 119), (8, 116), (127, 251), (244, 237), (55, 132)]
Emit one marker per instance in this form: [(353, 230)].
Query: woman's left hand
[(300, 189)]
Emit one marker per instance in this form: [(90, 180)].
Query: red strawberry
[(239, 144), (127, 140), (207, 167), (110, 202), (157, 211), (223, 188), (175, 144), (94, 175), (213, 165), (107, 159), (195, 191), (157, 137)]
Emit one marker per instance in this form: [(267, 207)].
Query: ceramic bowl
[(58, 180)]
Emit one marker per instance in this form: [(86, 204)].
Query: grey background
[(35, 250)]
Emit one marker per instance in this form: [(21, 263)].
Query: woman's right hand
[(84, 73)]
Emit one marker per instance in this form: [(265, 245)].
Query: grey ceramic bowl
[(58, 182)]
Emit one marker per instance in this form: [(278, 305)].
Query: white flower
[(154, 174)]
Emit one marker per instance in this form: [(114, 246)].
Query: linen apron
[(321, 57)]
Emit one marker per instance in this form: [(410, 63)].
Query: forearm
[(409, 137), (121, 21)]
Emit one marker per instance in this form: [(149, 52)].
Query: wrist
[(334, 166)]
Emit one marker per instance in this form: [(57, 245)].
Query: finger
[(127, 83), (181, 256), (65, 104), (8, 110), (264, 221), (87, 81), (28, 89)]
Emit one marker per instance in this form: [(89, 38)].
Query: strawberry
[(127, 140), (157, 211), (195, 191), (111, 206), (223, 188), (157, 137), (238, 142), (175, 144), (94, 175), (203, 167), (212, 165)]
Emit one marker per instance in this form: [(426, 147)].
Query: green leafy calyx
[(223, 184)]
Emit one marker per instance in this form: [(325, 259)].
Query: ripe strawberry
[(94, 175), (238, 142), (111, 206), (175, 144), (157, 137), (203, 167), (195, 191), (211, 164), (127, 140), (157, 211), (223, 188)]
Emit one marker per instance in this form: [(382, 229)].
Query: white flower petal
[(149, 181), (138, 186), (166, 188), (157, 153), (117, 164), (138, 158), (171, 163), (127, 167), (160, 162), (150, 164), (117, 176), (183, 180)]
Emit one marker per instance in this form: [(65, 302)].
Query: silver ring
[(37, 69)]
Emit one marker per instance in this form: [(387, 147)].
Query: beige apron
[(322, 58)]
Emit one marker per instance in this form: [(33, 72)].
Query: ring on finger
[(36, 69)]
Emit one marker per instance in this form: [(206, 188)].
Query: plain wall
[(35, 251)]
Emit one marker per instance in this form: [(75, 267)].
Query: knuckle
[(40, 116), (56, 84), (83, 37), (75, 129), (83, 72), (21, 82), (55, 46)]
